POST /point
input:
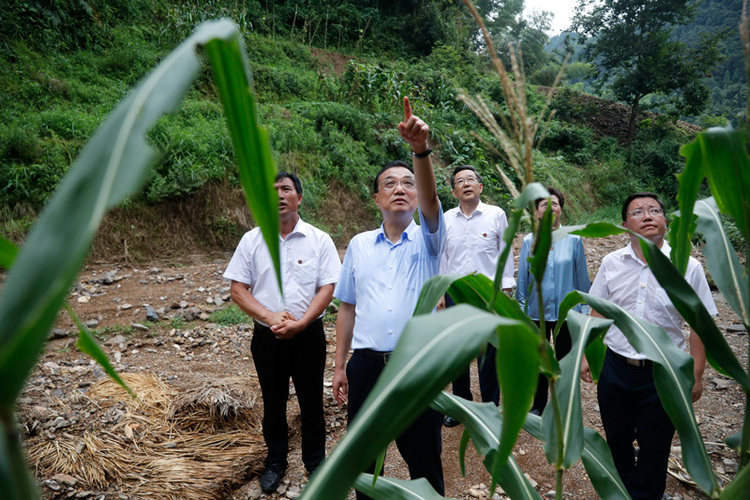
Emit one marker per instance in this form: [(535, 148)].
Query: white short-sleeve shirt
[(474, 243), (628, 282), (309, 260)]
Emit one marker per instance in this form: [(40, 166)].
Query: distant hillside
[(330, 110), (728, 79)]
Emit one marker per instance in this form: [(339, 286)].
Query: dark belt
[(383, 356), (631, 361)]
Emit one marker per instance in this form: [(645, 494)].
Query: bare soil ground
[(185, 351)]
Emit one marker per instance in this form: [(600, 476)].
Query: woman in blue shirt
[(566, 271)]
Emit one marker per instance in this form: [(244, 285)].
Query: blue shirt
[(383, 280), (566, 271)]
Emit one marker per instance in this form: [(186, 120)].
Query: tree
[(630, 42)]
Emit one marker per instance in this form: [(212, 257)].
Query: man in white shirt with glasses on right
[(629, 404)]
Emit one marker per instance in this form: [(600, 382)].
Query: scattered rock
[(722, 384), (92, 323), (58, 333), (117, 340), (293, 491), (151, 314), (125, 306), (740, 329), (65, 479)]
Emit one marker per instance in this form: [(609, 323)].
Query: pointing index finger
[(407, 109)]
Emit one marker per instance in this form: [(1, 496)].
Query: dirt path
[(184, 349)]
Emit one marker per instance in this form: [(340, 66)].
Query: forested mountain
[(330, 77), (726, 79)]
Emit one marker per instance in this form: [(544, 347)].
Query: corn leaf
[(8, 252), (113, 165), (510, 233), (727, 164), (596, 349), (689, 305), (593, 230), (251, 145), (596, 457), (722, 260), (483, 423), (389, 488), (87, 344), (738, 488), (583, 329), (683, 223), (433, 350), (673, 377)]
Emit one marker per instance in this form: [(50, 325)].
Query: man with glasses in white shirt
[(381, 278), (288, 337), (474, 243), (629, 404)]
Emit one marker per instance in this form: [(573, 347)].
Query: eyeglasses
[(543, 205), (466, 180), (390, 183), (638, 213)]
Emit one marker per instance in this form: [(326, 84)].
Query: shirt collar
[(301, 228), (481, 207), (408, 234), (630, 252)]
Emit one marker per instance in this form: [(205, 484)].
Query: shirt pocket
[(486, 242), (305, 271)]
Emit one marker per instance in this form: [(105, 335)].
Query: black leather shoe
[(450, 422), (271, 477)]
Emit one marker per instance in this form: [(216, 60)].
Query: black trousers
[(563, 344), (420, 444), (488, 386), (487, 369), (301, 358), (631, 410)]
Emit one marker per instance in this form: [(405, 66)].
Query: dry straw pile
[(165, 445)]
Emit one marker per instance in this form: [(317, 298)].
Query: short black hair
[(397, 163), (553, 191), (462, 168), (295, 180), (633, 196)]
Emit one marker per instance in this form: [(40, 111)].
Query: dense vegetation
[(68, 63), (708, 24)]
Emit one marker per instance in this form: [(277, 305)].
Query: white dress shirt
[(628, 282), (475, 242), (309, 260)]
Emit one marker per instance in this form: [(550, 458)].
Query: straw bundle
[(161, 445)]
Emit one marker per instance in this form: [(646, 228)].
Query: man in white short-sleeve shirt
[(288, 337), (474, 242), (628, 401)]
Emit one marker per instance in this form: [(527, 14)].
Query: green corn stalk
[(112, 166)]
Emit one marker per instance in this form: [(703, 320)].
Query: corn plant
[(434, 348), (113, 166)]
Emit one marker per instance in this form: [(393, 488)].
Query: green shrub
[(275, 83), (21, 144), (573, 141), (229, 315)]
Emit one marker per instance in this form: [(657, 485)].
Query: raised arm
[(416, 132)]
